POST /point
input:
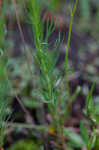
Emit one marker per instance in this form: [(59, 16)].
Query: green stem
[(68, 44)]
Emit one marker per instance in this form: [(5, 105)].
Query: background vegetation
[(49, 75)]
